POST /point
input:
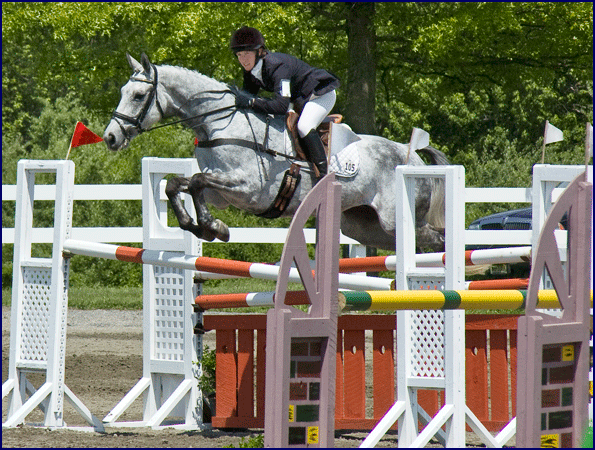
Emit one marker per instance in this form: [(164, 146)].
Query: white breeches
[(315, 110)]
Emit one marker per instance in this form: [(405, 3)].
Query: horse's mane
[(194, 73)]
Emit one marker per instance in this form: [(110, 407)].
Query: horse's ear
[(134, 64), (144, 59)]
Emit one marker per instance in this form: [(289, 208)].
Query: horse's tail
[(435, 216), (436, 212), (436, 156)]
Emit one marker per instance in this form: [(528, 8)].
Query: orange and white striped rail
[(209, 265), (509, 255)]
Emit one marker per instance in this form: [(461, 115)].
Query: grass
[(131, 298), (85, 297)]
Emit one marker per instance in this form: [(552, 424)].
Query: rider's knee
[(304, 128)]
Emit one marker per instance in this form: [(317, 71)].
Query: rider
[(298, 86)]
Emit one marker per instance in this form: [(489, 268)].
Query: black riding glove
[(243, 100)]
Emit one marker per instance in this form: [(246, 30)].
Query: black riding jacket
[(304, 81)]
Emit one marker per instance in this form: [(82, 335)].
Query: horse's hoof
[(206, 235), (222, 231), (199, 232)]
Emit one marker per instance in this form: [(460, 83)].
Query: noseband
[(137, 121)]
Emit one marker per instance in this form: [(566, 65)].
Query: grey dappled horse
[(236, 171)]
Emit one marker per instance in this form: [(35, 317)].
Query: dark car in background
[(516, 219)]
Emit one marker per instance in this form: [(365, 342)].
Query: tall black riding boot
[(314, 150)]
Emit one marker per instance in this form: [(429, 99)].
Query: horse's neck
[(190, 91), (195, 94)]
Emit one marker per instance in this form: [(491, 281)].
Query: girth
[(290, 182)]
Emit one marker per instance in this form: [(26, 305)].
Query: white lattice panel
[(35, 313), (427, 350), (169, 314)]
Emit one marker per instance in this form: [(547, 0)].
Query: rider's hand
[(243, 100)]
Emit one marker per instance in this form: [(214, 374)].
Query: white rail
[(131, 192)]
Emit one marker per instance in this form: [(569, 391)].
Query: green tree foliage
[(481, 78)]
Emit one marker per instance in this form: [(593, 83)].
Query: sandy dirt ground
[(103, 361)]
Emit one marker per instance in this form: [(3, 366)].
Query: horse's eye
[(139, 96)]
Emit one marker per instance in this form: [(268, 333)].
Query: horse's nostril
[(110, 140)]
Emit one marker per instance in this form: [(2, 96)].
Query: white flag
[(419, 139), (552, 134)]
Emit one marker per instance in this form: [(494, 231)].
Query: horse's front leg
[(172, 190), (214, 227)]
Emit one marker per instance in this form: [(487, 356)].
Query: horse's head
[(139, 106)]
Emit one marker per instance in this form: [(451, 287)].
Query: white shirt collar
[(257, 70)]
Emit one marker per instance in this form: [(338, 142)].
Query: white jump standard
[(39, 307)]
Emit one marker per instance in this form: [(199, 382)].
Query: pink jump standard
[(301, 347), (552, 393)]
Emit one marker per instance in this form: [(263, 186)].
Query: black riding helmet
[(246, 38)]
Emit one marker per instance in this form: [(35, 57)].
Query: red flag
[(83, 136)]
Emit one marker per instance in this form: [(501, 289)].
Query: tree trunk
[(361, 79)]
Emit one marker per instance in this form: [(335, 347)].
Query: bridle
[(140, 117), (137, 121)]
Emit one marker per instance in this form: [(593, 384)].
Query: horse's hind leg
[(172, 190)]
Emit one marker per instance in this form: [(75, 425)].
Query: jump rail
[(209, 265), (507, 299)]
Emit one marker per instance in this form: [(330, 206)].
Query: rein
[(292, 176)]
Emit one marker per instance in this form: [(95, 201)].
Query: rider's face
[(247, 59)]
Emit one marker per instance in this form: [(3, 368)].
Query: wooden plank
[(367, 322), (513, 368), (499, 376), (245, 373), (358, 424), (339, 390), (383, 372), (428, 400), (350, 411), (354, 374), (237, 422), (476, 373), (491, 321), (261, 343), (226, 373)]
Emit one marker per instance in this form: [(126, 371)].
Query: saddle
[(323, 130)]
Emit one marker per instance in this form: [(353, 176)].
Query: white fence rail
[(251, 235), (134, 234)]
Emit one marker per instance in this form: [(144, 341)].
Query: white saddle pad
[(344, 160), (345, 163)]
